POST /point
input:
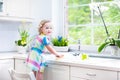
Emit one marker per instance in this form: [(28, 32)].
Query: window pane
[(78, 15), (77, 2), (82, 33), (110, 13), (101, 0), (100, 33)]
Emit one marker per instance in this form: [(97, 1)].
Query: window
[(85, 23)]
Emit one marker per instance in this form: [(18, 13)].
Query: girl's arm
[(53, 51)]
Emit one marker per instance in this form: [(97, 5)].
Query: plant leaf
[(118, 42), (102, 46)]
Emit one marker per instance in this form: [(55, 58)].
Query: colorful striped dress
[(36, 60)]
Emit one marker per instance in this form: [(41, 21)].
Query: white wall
[(41, 9), (8, 34)]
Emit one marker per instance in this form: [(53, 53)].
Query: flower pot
[(21, 49), (61, 48), (115, 51)]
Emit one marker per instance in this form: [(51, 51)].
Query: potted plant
[(24, 40), (114, 43), (60, 43)]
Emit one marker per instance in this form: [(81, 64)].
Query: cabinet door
[(78, 78), (21, 66), (4, 66), (18, 8), (56, 72), (118, 75), (92, 74)]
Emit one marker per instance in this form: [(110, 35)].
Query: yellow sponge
[(84, 56)]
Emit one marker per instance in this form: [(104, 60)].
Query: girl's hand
[(59, 56)]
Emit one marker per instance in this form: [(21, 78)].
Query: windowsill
[(104, 56), (92, 52)]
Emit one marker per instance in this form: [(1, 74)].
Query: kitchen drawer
[(92, 74)]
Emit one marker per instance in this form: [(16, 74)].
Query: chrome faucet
[(77, 53), (78, 44)]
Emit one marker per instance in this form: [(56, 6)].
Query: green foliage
[(77, 2), (60, 41), (79, 15), (24, 35), (21, 43), (102, 46), (82, 33), (117, 42)]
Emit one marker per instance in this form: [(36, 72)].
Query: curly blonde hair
[(42, 23)]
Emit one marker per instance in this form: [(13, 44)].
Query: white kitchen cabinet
[(5, 64), (56, 72), (21, 66), (78, 73), (16, 9), (118, 75)]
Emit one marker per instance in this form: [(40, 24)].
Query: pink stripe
[(39, 39), (34, 63)]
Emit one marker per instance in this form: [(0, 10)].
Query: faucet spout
[(78, 44)]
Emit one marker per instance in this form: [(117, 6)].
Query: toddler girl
[(35, 58)]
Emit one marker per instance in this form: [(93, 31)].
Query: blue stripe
[(36, 49), (45, 41), (43, 64)]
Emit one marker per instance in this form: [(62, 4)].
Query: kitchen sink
[(96, 55)]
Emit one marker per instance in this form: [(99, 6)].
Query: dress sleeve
[(46, 41)]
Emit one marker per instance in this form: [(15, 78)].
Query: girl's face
[(47, 28)]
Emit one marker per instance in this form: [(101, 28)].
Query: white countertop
[(68, 59), (91, 62), (9, 55)]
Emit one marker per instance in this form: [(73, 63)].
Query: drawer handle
[(90, 74), (24, 62)]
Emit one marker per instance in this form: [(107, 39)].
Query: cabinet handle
[(90, 74), (7, 14), (24, 62)]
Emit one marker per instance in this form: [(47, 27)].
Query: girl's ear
[(40, 30)]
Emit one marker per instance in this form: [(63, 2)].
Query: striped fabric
[(36, 61)]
